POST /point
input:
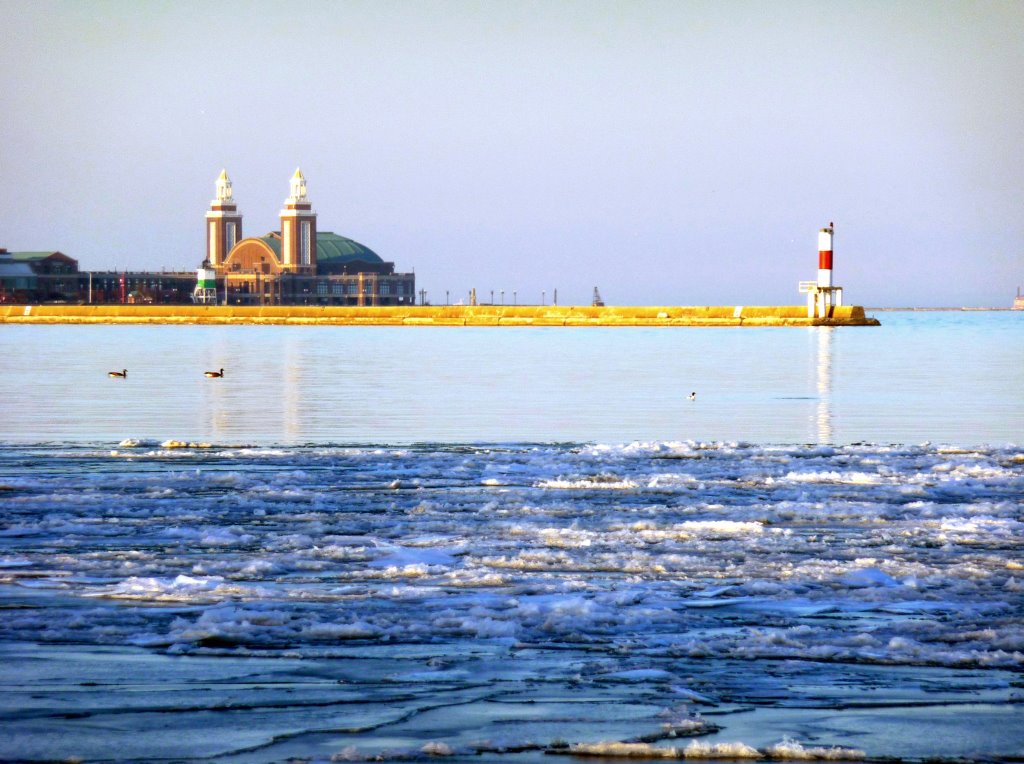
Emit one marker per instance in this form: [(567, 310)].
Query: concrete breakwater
[(430, 315)]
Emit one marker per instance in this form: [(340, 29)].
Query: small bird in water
[(123, 374), (214, 373), (691, 397)]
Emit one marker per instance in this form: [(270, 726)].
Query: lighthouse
[(822, 294), (825, 257)]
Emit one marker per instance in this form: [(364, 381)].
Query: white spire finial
[(298, 187), (224, 192)]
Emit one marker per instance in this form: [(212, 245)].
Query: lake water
[(503, 544), (950, 377)]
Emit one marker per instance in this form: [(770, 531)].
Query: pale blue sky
[(667, 152)]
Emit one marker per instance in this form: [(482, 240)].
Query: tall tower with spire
[(298, 229), (223, 223)]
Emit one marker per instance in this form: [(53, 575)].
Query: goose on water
[(691, 397), (214, 373), (123, 373)]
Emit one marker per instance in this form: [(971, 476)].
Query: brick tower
[(298, 229), (223, 223)]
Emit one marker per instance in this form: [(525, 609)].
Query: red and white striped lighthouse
[(822, 296), (825, 256)]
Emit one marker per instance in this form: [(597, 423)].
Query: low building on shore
[(37, 277)]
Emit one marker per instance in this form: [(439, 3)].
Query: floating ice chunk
[(868, 577), (693, 695), (181, 588), (340, 631), (129, 443), (832, 476), (349, 753), (436, 748), (602, 481), (14, 562), (698, 749), (413, 557), (182, 444), (720, 527), (615, 749), (791, 750), (639, 675)]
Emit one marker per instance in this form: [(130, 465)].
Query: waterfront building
[(53, 277), (298, 264), (37, 276)]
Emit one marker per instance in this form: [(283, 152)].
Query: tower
[(822, 295), (223, 223), (825, 256), (298, 229)]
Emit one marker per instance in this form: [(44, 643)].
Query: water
[(937, 376), (502, 544)]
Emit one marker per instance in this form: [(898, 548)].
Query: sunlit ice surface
[(346, 602)]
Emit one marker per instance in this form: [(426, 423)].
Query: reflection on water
[(823, 414), (941, 377)]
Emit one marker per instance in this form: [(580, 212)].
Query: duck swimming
[(212, 374), (123, 373)]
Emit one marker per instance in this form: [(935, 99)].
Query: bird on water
[(691, 397), (214, 373), (123, 374)]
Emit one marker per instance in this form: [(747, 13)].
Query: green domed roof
[(334, 248)]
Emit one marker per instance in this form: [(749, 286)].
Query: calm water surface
[(946, 377)]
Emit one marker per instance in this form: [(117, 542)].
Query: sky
[(672, 153)]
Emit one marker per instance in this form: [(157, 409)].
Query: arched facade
[(298, 265)]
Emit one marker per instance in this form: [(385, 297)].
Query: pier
[(447, 315)]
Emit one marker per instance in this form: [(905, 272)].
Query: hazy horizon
[(668, 153)]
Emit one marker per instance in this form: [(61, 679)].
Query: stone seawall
[(429, 315)]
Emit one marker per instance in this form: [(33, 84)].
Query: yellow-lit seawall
[(428, 315)]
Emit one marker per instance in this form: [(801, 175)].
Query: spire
[(298, 187), (224, 192)]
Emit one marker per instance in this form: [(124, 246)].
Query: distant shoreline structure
[(934, 310), (430, 315)]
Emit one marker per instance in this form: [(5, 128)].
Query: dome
[(331, 248)]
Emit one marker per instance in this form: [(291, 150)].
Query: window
[(385, 289), (321, 288), (353, 288), (337, 289), (304, 243), (231, 236)]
